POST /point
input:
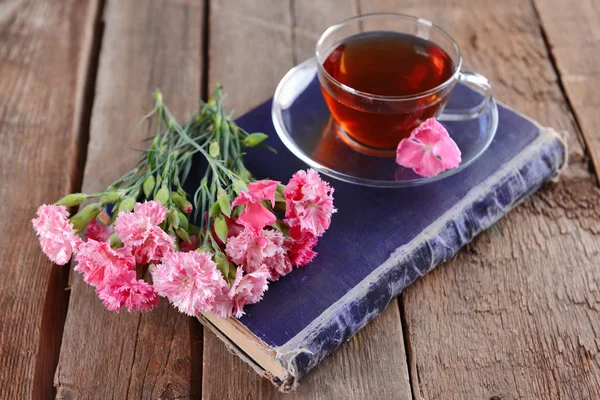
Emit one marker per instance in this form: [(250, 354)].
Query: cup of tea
[(382, 75)]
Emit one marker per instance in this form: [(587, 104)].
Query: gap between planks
[(56, 303)]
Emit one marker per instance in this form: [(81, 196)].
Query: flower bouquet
[(214, 250)]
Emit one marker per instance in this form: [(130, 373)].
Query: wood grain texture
[(573, 32), (516, 315), (45, 50), (146, 44), (269, 37)]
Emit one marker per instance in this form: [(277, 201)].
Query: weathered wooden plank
[(45, 52), (146, 44), (573, 33), (249, 61), (517, 314)]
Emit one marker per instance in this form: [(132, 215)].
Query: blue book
[(380, 241)]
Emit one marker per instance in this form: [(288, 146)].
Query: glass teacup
[(382, 75)]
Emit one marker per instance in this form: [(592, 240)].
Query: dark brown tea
[(385, 64)]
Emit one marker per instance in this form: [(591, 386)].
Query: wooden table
[(516, 315)]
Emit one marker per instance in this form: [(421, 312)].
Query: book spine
[(478, 210)]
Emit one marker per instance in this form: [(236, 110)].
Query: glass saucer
[(306, 127)]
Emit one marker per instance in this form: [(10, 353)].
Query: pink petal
[(429, 150), (242, 198), (263, 190), (255, 216)]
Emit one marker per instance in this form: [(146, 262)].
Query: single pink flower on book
[(190, 281), (429, 150), (254, 249), (140, 232), (255, 215), (56, 234), (309, 202), (123, 289), (97, 261)]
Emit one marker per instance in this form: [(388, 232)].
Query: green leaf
[(214, 150), (224, 202), (214, 210), (183, 234), (254, 139), (221, 228), (72, 200), (240, 186), (148, 186)]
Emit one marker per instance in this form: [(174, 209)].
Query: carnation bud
[(254, 139), (158, 98), (72, 200), (214, 150), (114, 241), (222, 264), (280, 206), (224, 202), (182, 203), (193, 229), (85, 216), (214, 210), (109, 198), (148, 186), (279, 198), (162, 196), (126, 204), (183, 221), (174, 218)]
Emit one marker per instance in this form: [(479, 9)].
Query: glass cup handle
[(471, 79)]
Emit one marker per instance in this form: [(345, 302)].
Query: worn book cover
[(380, 241)]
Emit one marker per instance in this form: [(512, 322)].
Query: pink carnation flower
[(57, 236), (140, 232), (123, 289), (246, 289), (254, 249), (309, 202), (429, 150), (300, 246), (190, 281), (98, 231), (255, 215), (97, 261)]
